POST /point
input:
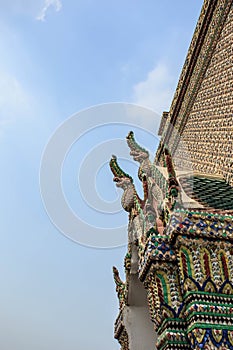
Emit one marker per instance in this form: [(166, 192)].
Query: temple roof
[(209, 191)]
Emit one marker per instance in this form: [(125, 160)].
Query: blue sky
[(59, 58)]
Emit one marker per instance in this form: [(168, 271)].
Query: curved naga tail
[(116, 169), (140, 155), (133, 145), (120, 287), (116, 277)]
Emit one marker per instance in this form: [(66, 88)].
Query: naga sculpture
[(140, 155), (130, 200), (155, 209), (155, 195)]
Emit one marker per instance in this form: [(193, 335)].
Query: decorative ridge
[(195, 61)]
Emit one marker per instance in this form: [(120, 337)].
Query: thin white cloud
[(14, 100), (47, 4), (157, 90)]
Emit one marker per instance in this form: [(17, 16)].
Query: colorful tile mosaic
[(185, 256)]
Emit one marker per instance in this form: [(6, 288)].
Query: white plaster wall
[(140, 329)]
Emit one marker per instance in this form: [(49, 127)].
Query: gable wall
[(208, 132)]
